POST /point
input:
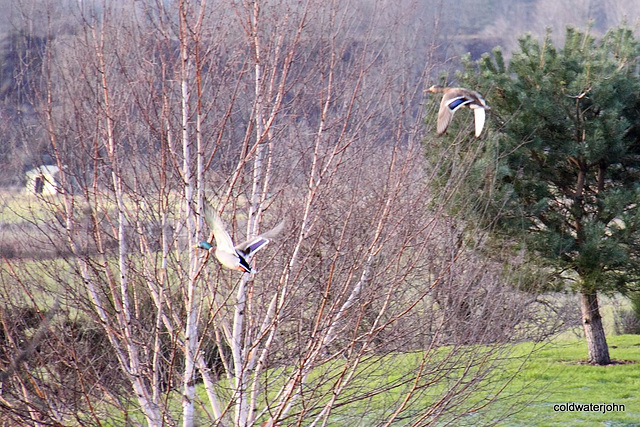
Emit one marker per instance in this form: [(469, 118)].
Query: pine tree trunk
[(593, 330)]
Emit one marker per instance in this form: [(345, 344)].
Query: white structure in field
[(43, 180)]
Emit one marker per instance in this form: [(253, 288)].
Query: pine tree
[(562, 167)]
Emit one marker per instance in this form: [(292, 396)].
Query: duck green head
[(205, 245)]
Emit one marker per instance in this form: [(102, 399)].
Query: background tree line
[(447, 32)]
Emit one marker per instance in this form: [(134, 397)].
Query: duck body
[(235, 257), (455, 98), (235, 260)]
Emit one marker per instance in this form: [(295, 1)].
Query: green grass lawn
[(553, 374), (556, 372)]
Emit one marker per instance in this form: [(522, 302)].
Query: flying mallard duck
[(235, 257), (454, 98)]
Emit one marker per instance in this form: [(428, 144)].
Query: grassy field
[(561, 378), (553, 374)]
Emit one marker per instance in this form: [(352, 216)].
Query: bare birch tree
[(308, 111)]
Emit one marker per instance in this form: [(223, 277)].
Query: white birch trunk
[(191, 327)]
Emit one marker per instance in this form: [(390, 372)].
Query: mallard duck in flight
[(454, 98), (235, 257)]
